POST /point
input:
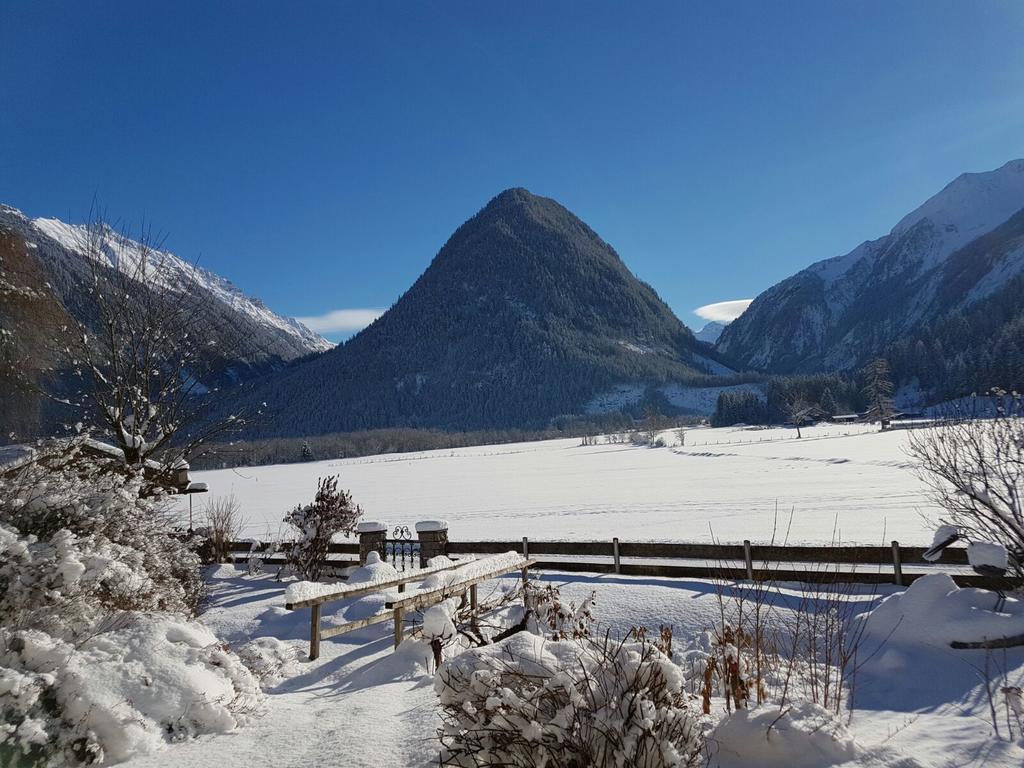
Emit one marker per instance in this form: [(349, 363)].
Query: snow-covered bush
[(975, 471), (77, 543), (331, 513), (555, 618), (99, 659), (122, 692), (527, 701), (269, 660)]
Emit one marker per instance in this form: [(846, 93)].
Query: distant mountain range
[(941, 295), (524, 315), (49, 260), (710, 332)]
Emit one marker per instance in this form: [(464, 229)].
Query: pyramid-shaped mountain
[(524, 315)]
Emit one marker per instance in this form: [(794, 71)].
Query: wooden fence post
[(398, 626), (615, 552), (748, 558), (526, 547), (897, 566), (314, 633)]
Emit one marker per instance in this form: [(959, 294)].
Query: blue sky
[(320, 154)]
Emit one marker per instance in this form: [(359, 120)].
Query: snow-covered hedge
[(527, 701)]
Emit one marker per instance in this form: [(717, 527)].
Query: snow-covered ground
[(360, 704), (841, 482)]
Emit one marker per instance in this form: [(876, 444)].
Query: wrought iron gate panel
[(402, 550)]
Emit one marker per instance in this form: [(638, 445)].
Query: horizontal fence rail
[(858, 564)]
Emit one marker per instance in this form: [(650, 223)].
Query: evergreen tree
[(307, 452), (878, 390), (829, 406)]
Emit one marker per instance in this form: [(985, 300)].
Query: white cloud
[(341, 320), (723, 311)]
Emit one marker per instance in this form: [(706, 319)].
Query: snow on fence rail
[(459, 578), (855, 564)]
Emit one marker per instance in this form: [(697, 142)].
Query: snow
[(849, 482), (713, 366), (173, 271), (934, 612), (428, 526), (322, 712), (984, 554), (704, 400), (803, 736), (134, 687), (969, 206), (374, 571), (710, 332), (371, 526), (700, 400)]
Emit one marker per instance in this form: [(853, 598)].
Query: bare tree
[(224, 522), (799, 409), (143, 357), (878, 389), (975, 470)]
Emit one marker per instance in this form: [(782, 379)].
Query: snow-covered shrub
[(269, 660), (78, 543), (974, 469), (98, 657), (766, 649), (527, 701), (331, 513), (122, 692), (438, 629), (556, 619)]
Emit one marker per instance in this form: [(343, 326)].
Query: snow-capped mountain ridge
[(169, 270), (959, 247), (965, 209)]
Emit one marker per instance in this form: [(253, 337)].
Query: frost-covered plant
[(975, 471), (527, 701), (269, 660), (77, 542), (555, 618), (331, 513)]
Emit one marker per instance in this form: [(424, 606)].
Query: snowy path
[(858, 488)]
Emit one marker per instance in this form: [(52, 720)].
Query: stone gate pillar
[(372, 534), (433, 537)]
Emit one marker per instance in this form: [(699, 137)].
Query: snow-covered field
[(845, 483), (920, 704)]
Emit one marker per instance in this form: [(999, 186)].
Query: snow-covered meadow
[(919, 703), (845, 483)]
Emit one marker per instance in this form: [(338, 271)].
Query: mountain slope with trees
[(49, 276), (913, 295), (524, 315)]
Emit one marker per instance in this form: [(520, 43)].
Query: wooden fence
[(894, 564)]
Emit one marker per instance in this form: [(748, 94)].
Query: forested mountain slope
[(524, 315), (962, 247), (46, 274)]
